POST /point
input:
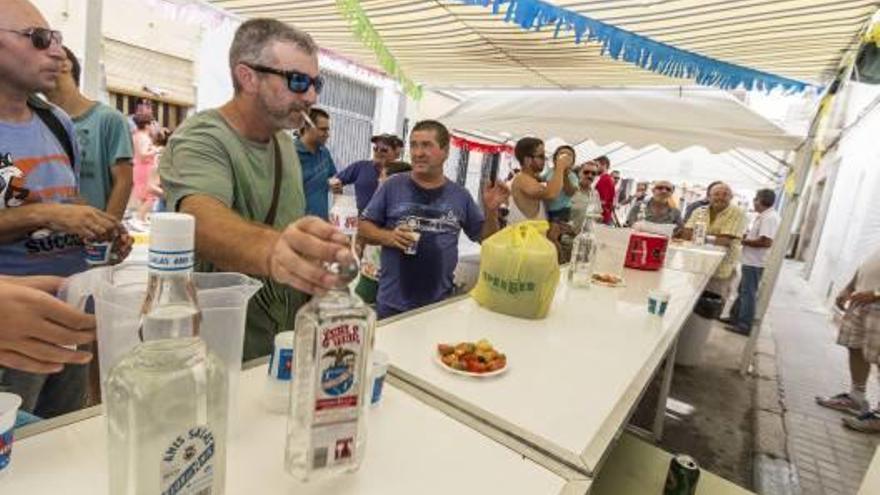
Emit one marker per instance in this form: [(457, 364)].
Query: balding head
[(720, 196), (24, 68)]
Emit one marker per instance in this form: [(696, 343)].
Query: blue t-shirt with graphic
[(35, 169), (317, 169), (410, 281)]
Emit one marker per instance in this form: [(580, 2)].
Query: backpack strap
[(44, 112)]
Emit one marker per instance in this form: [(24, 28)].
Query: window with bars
[(167, 113), (351, 106)]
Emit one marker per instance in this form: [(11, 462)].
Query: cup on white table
[(378, 372), (9, 404), (277, 394), (658, 301)]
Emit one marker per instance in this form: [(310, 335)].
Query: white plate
[(622, 283), (468, 373)]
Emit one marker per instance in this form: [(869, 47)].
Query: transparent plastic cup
[(119, 293)]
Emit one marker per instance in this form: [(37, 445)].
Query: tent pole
[(91, 82), (802, 160)]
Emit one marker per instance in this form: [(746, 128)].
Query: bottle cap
[(172, 232)]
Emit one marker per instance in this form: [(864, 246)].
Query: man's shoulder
[(205, 121), (360, 164)]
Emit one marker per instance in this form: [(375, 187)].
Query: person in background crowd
[(559, 209), (527, 193), (417, 219), (317, 163), (220, 166), (726, 226), (42, 226), (605, 187), (36, 323), (699, 203), (639, 196), (365, 174), (657, 209), (756, 247), (584, 201), (105, 177), (145, 162), (371, 261), (860, 334)]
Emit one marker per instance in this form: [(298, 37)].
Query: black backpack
[(44, 112)]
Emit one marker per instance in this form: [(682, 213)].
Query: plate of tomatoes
[(478, 359)]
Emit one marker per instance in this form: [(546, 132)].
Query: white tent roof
[(673, 119), (444, 43), (743, 170)]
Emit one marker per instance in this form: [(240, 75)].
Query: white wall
[(852, 227), (128, 21)]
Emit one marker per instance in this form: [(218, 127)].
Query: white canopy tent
[(672, 118)]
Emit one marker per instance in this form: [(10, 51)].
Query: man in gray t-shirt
[(657, 209)]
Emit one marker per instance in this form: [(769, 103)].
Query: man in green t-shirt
[(225, 166), (104, 142)]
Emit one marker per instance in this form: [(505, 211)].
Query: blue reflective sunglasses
[(297, 82)]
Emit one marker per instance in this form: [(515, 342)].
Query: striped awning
[(443, 43)]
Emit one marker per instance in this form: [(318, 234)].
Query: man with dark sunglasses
[(364, 174), (42, 224), (237, 171), (657, 209), (585, 201)]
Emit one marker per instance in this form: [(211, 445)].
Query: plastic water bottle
[(701, 225), (330, 389), (583, 253)]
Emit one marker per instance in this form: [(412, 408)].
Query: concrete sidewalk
[(828, 458)]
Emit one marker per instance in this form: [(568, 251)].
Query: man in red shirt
[(606, 189)]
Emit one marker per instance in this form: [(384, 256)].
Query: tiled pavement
[(829, 459)]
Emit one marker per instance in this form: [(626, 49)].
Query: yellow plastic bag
[(518, 271)]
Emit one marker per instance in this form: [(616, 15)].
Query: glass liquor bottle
[(583, 254), (326, 427), (166, 399)]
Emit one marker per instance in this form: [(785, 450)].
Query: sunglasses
[(662, 188), (297, 82), (588, 174), (41, 38), (381, 149)]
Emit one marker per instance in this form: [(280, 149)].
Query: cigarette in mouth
[(307, 119)]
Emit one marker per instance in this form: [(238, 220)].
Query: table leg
[(665, 385)]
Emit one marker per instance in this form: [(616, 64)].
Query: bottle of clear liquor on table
[(701, 226), (166, 399), (583, 254), (326, 427)]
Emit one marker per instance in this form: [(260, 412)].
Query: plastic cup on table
[(378, 372), (277, 394), (658, 301), (9, 404)]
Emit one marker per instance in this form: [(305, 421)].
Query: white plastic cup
[(658, 301), (9, 404), (98, 253), (377, 374), (277, 393)]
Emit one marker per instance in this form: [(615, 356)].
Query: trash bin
[(696, 329)]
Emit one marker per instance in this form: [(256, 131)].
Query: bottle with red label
[(330, 393)]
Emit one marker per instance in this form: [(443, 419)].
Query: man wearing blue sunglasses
[(236, 170)]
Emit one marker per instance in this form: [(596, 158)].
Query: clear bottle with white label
[(583, 255), (701, 226), (330, 390), (166, 399)]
